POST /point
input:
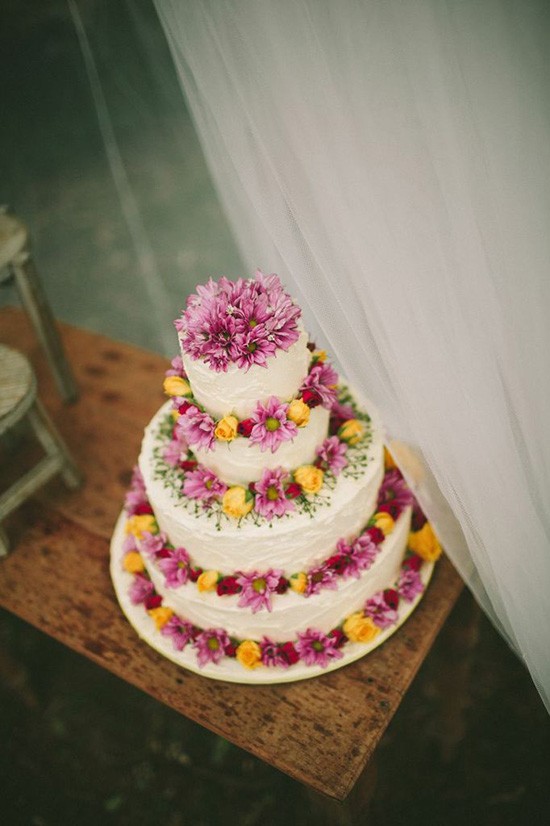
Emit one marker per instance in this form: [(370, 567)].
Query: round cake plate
[(228, 669)]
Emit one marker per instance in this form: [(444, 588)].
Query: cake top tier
[(239, 323)]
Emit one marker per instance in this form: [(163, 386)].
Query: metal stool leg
[(35, 301)]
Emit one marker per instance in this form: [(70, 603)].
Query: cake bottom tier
[(220, 653)]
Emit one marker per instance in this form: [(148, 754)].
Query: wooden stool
[(17, 263), (18, 400)]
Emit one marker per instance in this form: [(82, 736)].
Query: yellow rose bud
[(351, 431), (207, 581), (298, 412), (320, 355), (160, 615), (176, 386), (298, 582), (310, 478), (175, 414), (249, 654), (359, 628), (236, 503), (133, 563), (384, 521), (425, 543), (226, 429), (389, 462), (139, 523)]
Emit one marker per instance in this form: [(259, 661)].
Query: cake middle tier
[(299, 539)]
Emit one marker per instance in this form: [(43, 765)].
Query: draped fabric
[(391, 161)]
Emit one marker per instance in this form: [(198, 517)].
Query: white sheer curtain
[(391, 160)]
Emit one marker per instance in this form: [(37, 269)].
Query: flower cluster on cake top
[(238, 322)]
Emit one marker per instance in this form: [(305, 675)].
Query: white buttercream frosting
[(238, 391)]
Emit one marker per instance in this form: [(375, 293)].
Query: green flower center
[(259, 585), (272, 493), (272, 424), (252, 347), (252, 323), (213, 644), (208, 484), (317, 646)]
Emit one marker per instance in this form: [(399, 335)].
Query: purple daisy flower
[(380, 612), (272, 654), (271, 426), (211, 645), (257, 589), (203, 484), (315, 648), (271, 500), (409, 584), (140, 589), (252, 347), (152, 543), (197, 427), (129, 544), (342, 411), (319, 578), (394, 491), (175, 450), (323, 379), (181, 632), (177, 368), (136, 495), (363, 553), (332, 453), (175, 567)]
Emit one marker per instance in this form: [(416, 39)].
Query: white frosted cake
[(268, 536)]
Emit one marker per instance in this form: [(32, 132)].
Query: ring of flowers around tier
[(311, 647), (271, 423), (256, 588)]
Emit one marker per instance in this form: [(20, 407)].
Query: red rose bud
[(188, 464), (164, 553), (338, 563), (194, 574), (142, 509), (293, 490), (252, 487), (311, 346), (283, 585), (391, 598), (418, 520), (311, 397), (184, 407), (338, 636), (230, 650), (391, 508), (376, 535), (289, 653), (412, 562), (335, 424), (154, 601), (228, 585), (244, 428)]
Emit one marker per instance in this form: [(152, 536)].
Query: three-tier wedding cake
[(267, 535)]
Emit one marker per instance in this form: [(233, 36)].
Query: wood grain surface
[(321, 732)]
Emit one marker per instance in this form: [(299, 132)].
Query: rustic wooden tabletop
[(322, 732)]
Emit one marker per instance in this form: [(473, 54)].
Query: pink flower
[(252, 347), (129, 544), (182, 632), (315, 648), (319, 578), (141, 589), (273, 654), (409, 584), (394, 491), (176, 448), (136, 496), (363, 553), (342, 411), (175, 567), (380, 612), (271, 426), (152, 543), (332, 453), (323, 379), (177, 368), (197, 427), (257, 589), (203, 484), (211, 645), (271, 499)]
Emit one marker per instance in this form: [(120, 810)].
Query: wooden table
[(322, 732)]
